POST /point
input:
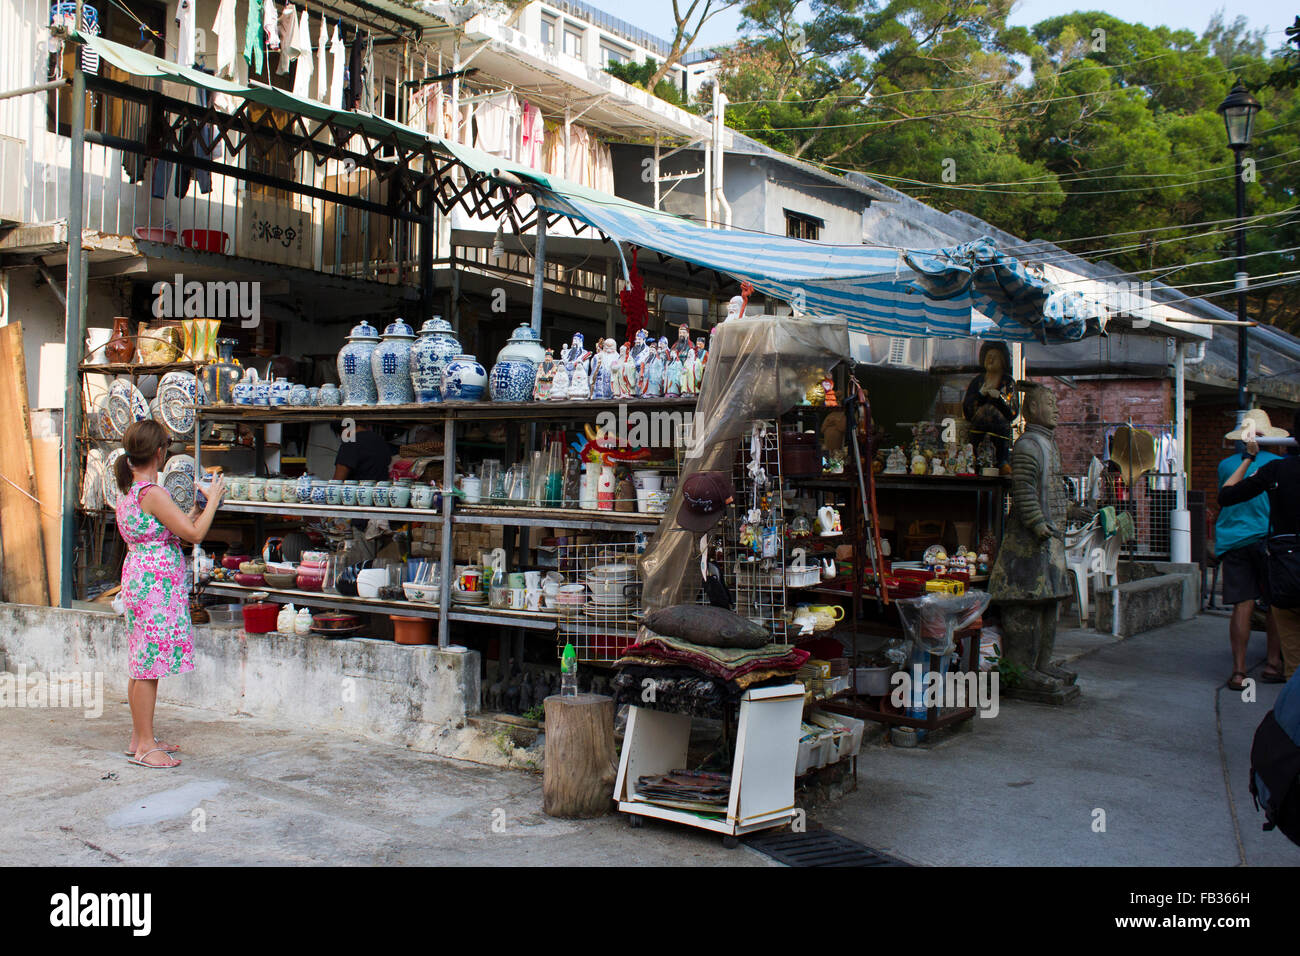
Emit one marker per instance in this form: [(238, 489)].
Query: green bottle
[(569, 671)]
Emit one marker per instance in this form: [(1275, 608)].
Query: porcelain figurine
[(579, 381), (673, 376), (616, 372), (355, 372), (650, 383), (919, 464), (690, 373), (390, 364), (575, 354), (432, 349), (602, 380), (545, 377), (464, 380), (683, 343), (640, 350), (560, 384), (627, 374), (896, 464)]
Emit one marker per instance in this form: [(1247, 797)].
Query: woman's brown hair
[(141, 442)]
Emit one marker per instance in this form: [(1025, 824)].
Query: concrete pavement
[(1142, 745)]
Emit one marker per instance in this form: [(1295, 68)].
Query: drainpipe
[(1180, 519), (719, 154)]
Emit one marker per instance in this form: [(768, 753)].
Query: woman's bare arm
[(158, 503)]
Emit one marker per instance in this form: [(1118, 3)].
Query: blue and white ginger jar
[(430, 353), (463, 380), (355, 375), (515, 372), (391, 365)]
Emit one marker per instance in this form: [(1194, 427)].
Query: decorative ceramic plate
[(101, 422), (126, 405), (108, 489), (178, 392), (92, 484), (178, 478)]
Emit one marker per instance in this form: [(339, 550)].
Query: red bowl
[(206, 240)]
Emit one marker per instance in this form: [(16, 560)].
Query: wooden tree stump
[(580, 766)]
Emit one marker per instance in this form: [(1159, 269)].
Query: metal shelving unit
[(452, 510)]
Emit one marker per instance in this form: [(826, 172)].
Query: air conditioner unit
[(907, 352), (11, 179)]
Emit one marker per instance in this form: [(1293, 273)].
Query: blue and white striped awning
[(971, 289)]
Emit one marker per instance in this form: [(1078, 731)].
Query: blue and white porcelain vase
[(435, 346), (355, 375), (299, 395), (515, 372), (391, 365), (281, 389), (463, 380), (262, 393)]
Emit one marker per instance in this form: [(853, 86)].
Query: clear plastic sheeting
[(931, 620), (758, 368)]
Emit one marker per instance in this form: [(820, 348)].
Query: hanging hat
[(705, 496), (1263, 427), (1134, 450)]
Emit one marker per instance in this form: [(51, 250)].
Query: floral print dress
[(154, 591)]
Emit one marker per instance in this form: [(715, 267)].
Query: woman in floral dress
[(153, 581)]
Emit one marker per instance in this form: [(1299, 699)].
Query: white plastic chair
[(1106, 567), (1079, 545)]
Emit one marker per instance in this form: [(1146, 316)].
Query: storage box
[(847, 732)]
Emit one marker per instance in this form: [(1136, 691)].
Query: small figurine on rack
[(919, 463), (616, 371), (651, 383), (690, 372), (828, 388), (683, 343), (966, 460), (559, 383), (640, 350), (576, 354), (545, 379), (673, 376), (896, 464), (579, 381), (628, 375), (736, 307), (602, 372)]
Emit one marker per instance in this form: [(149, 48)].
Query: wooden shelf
[(573, 518), (440, 411)]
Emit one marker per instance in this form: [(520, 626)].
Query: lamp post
[(1238, 112)]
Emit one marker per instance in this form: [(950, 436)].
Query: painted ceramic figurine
[(579, 381), (651, 382), (560, 383), (683, 343), (673, 376), (897, 462), (628, 375), (690, 373), (602, 371), (641, 348), (545, 380), (992, 403)]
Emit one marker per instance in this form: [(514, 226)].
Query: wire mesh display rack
[(605, 622), (750, 549)]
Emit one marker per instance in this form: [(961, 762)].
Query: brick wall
[(1084, 409)]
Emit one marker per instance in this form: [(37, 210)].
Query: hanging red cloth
[(632, 302)]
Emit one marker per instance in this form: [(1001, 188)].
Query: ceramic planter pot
[(463, 380), (515, 372)]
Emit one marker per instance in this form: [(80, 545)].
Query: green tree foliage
[(1083, 126)]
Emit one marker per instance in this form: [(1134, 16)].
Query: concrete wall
[(419, 697)]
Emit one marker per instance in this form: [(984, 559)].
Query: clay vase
[(120, 349)]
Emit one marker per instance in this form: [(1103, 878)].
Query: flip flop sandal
[(140, 762), (1235, 685), (1271, 677), (131, 753)]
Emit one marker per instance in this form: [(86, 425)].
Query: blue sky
[(1273, 15)]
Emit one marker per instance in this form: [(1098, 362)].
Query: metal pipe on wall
[(74, 332)]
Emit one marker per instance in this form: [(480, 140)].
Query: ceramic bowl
[(274, 491), (280, 579), (252, 567), (256, 489), (423, 593)]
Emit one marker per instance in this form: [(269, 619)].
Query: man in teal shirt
[(1239, 533)]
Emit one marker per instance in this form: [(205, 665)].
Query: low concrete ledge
[(419, 697), (1170, 593)]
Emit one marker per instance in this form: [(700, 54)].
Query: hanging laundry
[(494, 122), (579, 154), (553, 150), (254, 38), (352, 81), (338, 66), (302, 51), (322, 63), (225, 29), (368, 75), (532, 137), (185, 32), (271, 26), (288, 29)]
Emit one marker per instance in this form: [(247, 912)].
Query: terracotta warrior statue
[(1029, 578)]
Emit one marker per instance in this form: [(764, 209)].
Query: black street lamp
[(1238, 112)]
